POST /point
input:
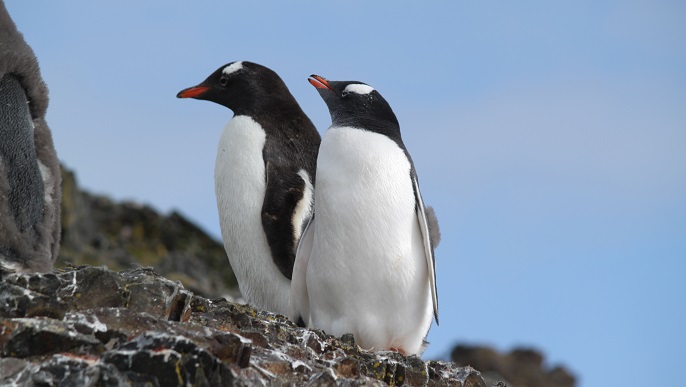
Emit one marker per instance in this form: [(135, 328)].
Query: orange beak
[(319, 82), (192, 92)]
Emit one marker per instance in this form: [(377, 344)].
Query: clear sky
[(549, 136)]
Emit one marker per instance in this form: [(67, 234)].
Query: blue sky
[(550, 138)]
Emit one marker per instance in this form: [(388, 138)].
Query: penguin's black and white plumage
[(365, 264), (30, 177), (264, 178)]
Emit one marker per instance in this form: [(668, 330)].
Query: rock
[(170, 360), (134, 327), (97, 231), (70, 370), (16, 301), (11, 366), (26, 337), (520, 367)]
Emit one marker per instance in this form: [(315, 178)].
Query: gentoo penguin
[(264, 177), (30, 177), (365, 264)]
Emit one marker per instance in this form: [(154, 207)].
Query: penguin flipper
[(428, 246), (284, 192), (300, 299)]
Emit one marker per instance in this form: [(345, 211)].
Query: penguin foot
[(399, 350)]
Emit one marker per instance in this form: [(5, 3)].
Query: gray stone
[(520, 367), (138, 328), (28, 337)]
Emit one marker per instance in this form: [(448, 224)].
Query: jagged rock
[(171, 360), (520, 367), (97, 231), (26, 337), (16, 301), (133, 327), (71, 370), (138, 328)]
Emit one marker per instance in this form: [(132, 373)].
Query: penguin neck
[(386, 128), (279, 115), (254, 105)]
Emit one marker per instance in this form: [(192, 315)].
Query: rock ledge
[(92, 326)]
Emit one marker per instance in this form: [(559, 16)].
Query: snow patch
[(95, 325), (264, 371), (166, 353), (73, 285), (300, 363), (29, 294)]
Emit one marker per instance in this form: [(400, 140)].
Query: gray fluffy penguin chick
[(30, 179)]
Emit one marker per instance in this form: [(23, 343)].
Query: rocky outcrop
[(97, 231), (91, 323), (93, 326), (519, 367)]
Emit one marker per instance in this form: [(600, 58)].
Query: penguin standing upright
[(365, 264), (30, 177), (264, 177)]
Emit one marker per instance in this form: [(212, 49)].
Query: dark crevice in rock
[(180, 307)]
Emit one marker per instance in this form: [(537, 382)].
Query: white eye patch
[(232, 68), (358, 89)]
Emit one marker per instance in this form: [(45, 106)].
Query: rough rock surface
[(518, 368), (92, 326), (97, 231)]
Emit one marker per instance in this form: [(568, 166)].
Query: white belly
[(240, 188), (367, 273)]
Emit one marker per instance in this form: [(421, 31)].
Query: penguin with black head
[(366, 263), (264, 178)]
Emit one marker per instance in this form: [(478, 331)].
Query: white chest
[(239, 177), (239, 170), (364, 204), (367, 272), (363, 178)]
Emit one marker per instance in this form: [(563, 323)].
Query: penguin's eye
[(223, 81), (344, 94)]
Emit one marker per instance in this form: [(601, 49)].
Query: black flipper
[(284, 190)]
